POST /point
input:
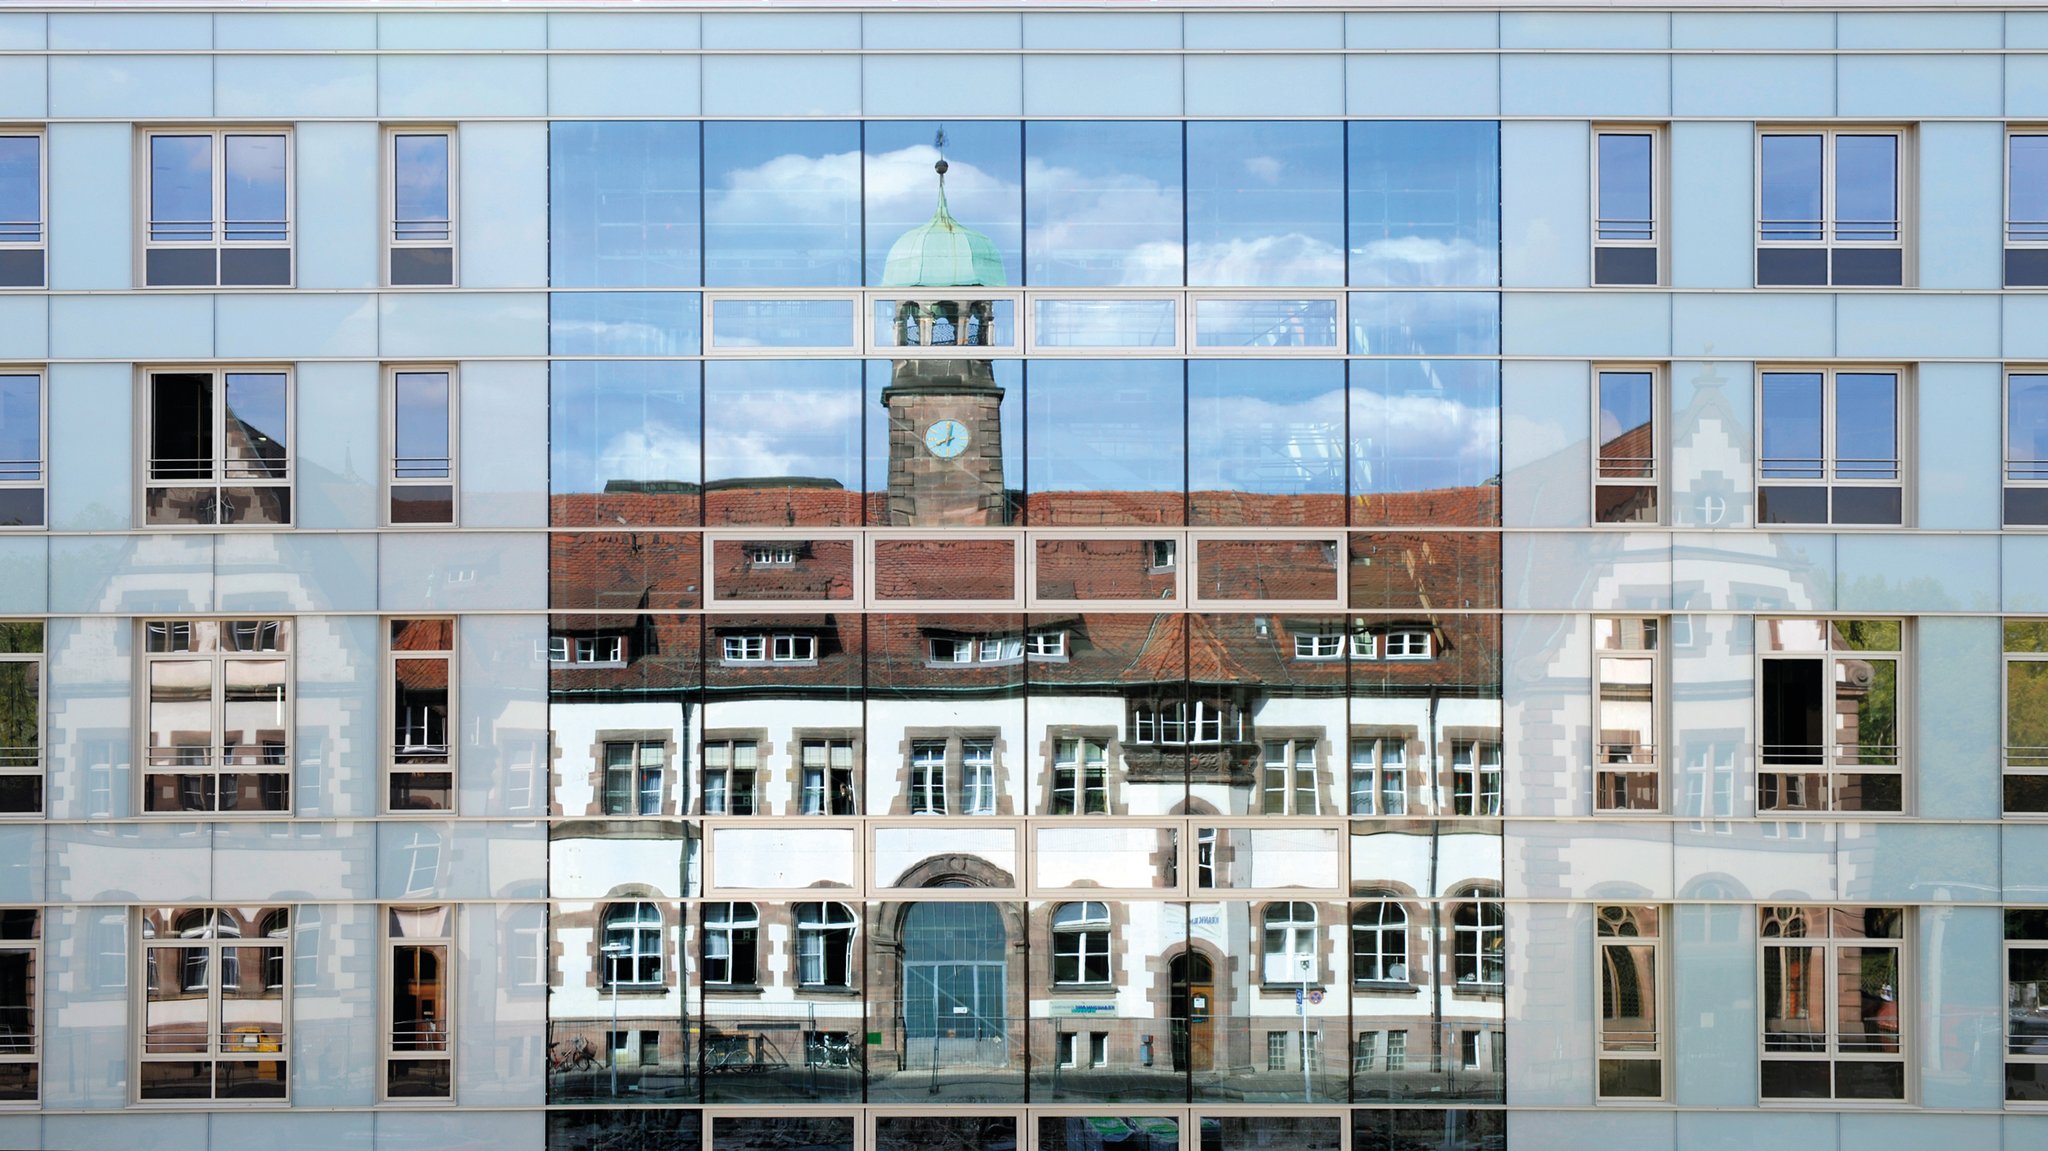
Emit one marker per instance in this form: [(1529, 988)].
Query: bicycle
[(828, 1049), (579, 1056)]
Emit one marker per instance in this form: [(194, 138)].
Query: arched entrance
[(1192, 1004), (955, 981)]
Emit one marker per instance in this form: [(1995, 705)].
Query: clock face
[(946, 438)]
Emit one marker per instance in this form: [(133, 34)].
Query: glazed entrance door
[(955, 985), (1193, 1007)]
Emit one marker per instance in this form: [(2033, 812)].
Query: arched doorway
[(955, 983), (1192, 1006)]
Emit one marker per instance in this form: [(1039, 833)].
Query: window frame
[(728, 773), (215, 948), (631, 916), (2035, 483), (2036, 765), (1650, 632), (1076, 777), (391, 224), (1286, 799), (2025, 931), (1298, 940), (1376, 772), (19, 1050), (731, 928), (1831, 945), (394, 750), (925, 781), (452, 472), (1656, 241), (218, 660), (768, 645), (1904, 430), (145, 430), (1489, 921), (1829, 767), (1904, 195), (1384, 959), (639, 775), (441, 1043), (36, 766), (1088, 936), (2012, 244), (40, 483), (1608, 937), (1478, 800), (41, 243), (1657, 481), (1407, 654), (218, 133), (821, 930), (827, 742)]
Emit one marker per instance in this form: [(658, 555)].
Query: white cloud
[(1285, 260), (1263, 168), (1407, 260)]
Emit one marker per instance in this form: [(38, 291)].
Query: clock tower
[(944, 405)]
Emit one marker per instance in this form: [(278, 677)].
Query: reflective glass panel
[(624, 205), (1866, 426), (1791, 196), (255, 188), (1425, 324), (1265, 323), (21, 189), (1105, 442), (1625, 183), (955, 984), (1265, 204), (419, 186), (1102, 204), (624, 443), (1265, 442), (1425, 442), (945, 441), (21, 428), (782, 204), (1424, 203), (1867, 188), (741, 324), (1069, 323), (625, 323), (421, 445), (782, 442), (2026, 427), (181, 188), (1792, 426), (908, 241), (2026, 210)]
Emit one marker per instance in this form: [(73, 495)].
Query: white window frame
[(31, 235), (171, 761), (1621, 929), (1654, 465), (1319, 645), (31, 762), (1830, 946), (824, 768), (1831, 762), (1284, 764), (2023, 475), (449, 469), (400, 235), (2020, 235), (1643, 665), (1652, 233), (721, 942), (402, 757), (1371, 764), (1050, 644), (559, 649), (217, 239), (1470, 951), (1080, 774), (927, 776), (978, 775), (815, 925), (219, 464), (720, 761), (1903, 191), (769, 647), (1408, 643), (19, 1049), (1365, 644), (646, 777), (1082, 939), (640, 925), (1389, 921), (1186, 723), (1830, 465), (34, 474), (1477, 776), (2030, 1049), (418, 1041), (1289, 944)]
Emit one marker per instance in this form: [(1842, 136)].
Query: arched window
[(632, 945), (824, 945), (1478, 943), (731, 935), (1379, 943), (1080, 943), (1290, 950)]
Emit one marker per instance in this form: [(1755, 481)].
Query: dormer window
[(1046, 645), (776, 647), (1179, 722), (996, 649), (1409, 643), (1364, 645), (587, 649), (772, 555), (1165, 553), (1318, 645)]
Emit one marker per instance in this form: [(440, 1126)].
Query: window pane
[(624, 205), (420, 449), (1425, 323), (2027, 183), (782, 441), (181, 188), (419, 187), (1105, 441), (782, 204), (2026, 427), (1627, 447), (1866, 188), (181, 426), (1866, 426), (2026, 714), (1265, 204), (1791, 188), (1424, 203), (1792, 426), (21, 429), (625, 323), (1265, 442), (627, 436), (257, 443), (1625, 181), (256, 188), (1066, 323), (983, 198), (1425, 442), (21, 189), (1102, 204)]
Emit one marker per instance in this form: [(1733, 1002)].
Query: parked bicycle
[(576, 1055), (828, 1049)]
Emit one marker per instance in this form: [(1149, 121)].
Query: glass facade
[(1163, 580)]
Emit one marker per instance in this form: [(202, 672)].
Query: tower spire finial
[(939, 142)]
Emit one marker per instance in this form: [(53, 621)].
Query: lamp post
[(612, 952)]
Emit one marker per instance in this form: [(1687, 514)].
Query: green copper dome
[(941, 254)]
